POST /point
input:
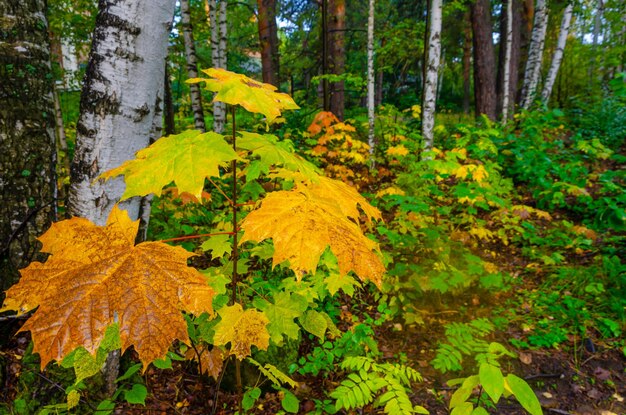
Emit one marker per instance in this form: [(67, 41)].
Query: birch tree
[(192, 65), (124, 76), (371, 81), (558, 53), (507, 61), (218, 54), (27, 147), (535, 54), (432, 70)]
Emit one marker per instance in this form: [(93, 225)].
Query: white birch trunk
[(535, 54), (558, 53), (192, 66), (124, 75), (218, 55), (507, 61), (432, 71), (371, 82)]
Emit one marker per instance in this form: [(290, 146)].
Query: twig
[(544, 376), (221, 191), (203, 235), (16, 316)]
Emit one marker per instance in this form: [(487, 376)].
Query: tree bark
[(371, 81), (506, 90), (169, 124), (218, 55), (597, 27), (431, 74), (535, 54), (337, 54), (124, 75), (192, 66), (268, 39), (27, 143), (484, 60), (558, 53)]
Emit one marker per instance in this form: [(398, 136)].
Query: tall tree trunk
[(508, 44), (169, 124), (535, 54), (63, 157), (268, 38), (558, 53), (325, 64), (467, 62), (124, 75), (192, 65), (597, 27), (484, 60), (429, 98), (27, 144), (371, 81), (337, 49), (218, 55)]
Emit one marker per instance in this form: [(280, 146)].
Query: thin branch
[(204, 235), (221, 191)]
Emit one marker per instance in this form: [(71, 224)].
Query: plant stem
[(202, 235), (235, 254)]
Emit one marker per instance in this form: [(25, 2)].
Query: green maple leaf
[(186, 159), (314, 322), (272, 152), (218, 244), (282, 313), (335, 282)]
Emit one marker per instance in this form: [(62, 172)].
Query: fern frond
[(274, 374), (395, 399), (356, 391)]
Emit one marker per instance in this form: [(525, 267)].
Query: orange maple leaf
[(95, 277), (305, 221)]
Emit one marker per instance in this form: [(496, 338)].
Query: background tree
[(337, 54), (532, 72), (268, 38), (27, 145), (432, 71), (371, 82), (558, 53), (192, 65), (484, 60)]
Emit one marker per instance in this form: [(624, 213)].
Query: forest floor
[(570, 380)]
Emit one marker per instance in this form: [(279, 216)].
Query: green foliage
[(383, 385), (491, 379), (462, 339)]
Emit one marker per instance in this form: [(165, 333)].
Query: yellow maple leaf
[(236, 89), (305, 221), (242, 329), (95, 277), (186, 159)]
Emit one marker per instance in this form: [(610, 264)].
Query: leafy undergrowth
[(498, 281)]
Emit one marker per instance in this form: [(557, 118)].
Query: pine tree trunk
[(337, 54), (484, 60), (535, 54), (558, 53), (506, 89), (432, 70), (371, 81), (268, 38), (192, 66), (467, 62), (27, 143), (124, 75)]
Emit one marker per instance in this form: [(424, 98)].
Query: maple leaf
[(241, 329), (322, 121), (218, 244), (303, 222), (186, 159), (237, 89), (273, 153), (282, 313), (96, 277), (398, 150), (211, 361)]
